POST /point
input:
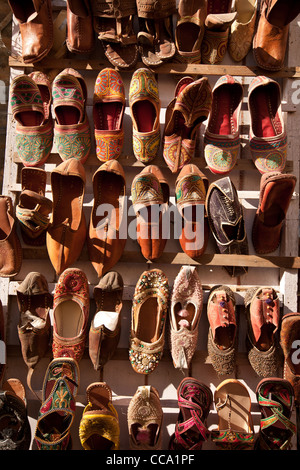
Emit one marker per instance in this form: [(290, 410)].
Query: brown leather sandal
[(113, 22), (155, 37)]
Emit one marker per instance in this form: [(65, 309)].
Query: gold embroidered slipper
[(148, 321)]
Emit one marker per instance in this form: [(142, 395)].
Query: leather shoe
[(67, 231), (10, 247), (80, 31)]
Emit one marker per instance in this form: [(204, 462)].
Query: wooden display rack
[(279, 270)]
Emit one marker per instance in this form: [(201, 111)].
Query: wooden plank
[(168, 68)]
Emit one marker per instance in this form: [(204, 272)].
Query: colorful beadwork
[(73, 141), (34, 144)]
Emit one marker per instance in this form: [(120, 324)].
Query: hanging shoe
[(275, 398), (263, 320), (235, 430), (145, 417), (144, 106), (267, 134), (15, 431), (107, 234), (226, 221), (242, 29), (30, 98), (289, 338), (194, 401), (66, 233), (105, 327), (276, 190), (189, 30), (57, 411), (71, 304), (99, 427), (184, 115), (222, 135), (272, 32), (80, 31), (190, 193), (11, 256), (185, 312), (108, 114), (222, 335), (33, 209), (148, 321), (72, 135)]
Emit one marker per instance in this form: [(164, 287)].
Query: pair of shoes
[(194, 401), (275, 398), (36, 27), (155, 37), (271, 37), (33, 208), (186, 305), (99, 427), (11, 251), (235, 429), (267, 135), (15, 431), (216, 31), (34, 327), (148, 321), (276, 191), (226, 221), (222, 339), (107, 234), (113, 24), (145, 418), (150, 198), (31, 98), (184, 115), (57, 411), (242, 29)]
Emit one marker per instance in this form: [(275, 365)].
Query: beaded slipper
[(148, 321)]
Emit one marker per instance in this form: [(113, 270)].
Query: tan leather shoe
[(106, 239), (80, 31), (36, 27), (189, 29), (271, 37), (10, 247), (67, 231)]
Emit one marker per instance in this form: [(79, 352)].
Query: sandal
[(113, 22), (194, 400), (33, 208), (233, 403), (99, 426), (275, 398), (57, 412)]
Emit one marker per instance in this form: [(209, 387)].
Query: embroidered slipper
[(30, 100), (99, 427), (185, 312), (267, 134), (108, 114), (275, 398), (145, 417), (144, 106), (149, 204), (33, 208), (242, 29), (148, 321), (57, 412), (194, 401), (72, 136), (184, 115), (190, 193), (233, 404), (15, 431), (222, 136)]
